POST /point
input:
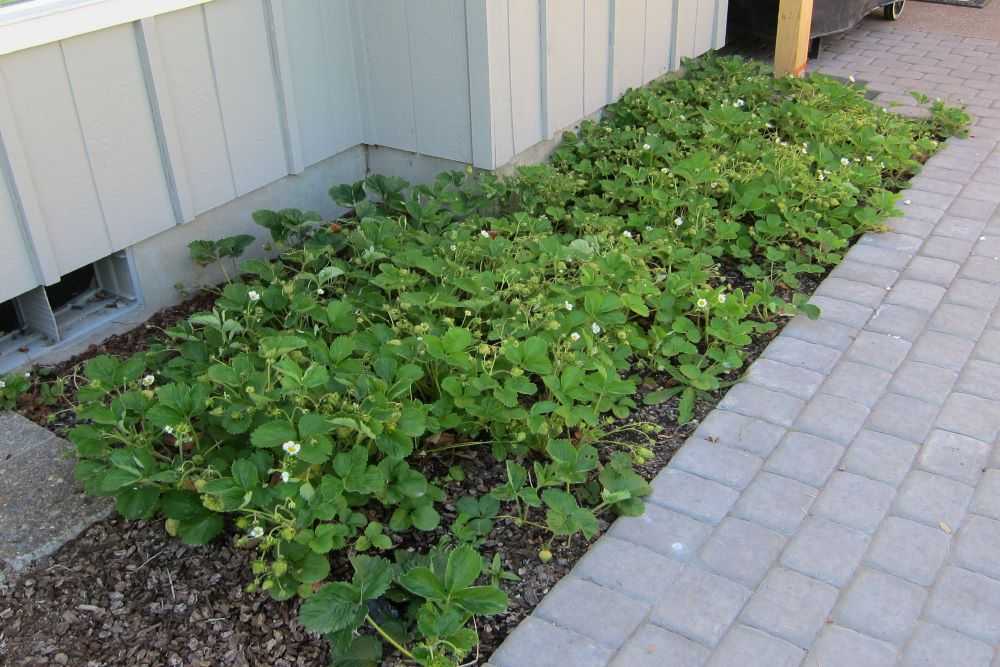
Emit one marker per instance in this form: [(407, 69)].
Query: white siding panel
[(501, 99), (22, 198), (721, 19), (59, 169), (117, 123), (341, 76), (247, 90), (526, 73), (565, 58), (15, 258), (188, 66), (389, 81), (705, 29), (440, 66), (313, 99), (285, 72), (597, 54), (323, 78), (480, 83), (630, 44), (659, 38), (155, 73), (686, 24)]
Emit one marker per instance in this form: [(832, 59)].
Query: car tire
[(894, 10)]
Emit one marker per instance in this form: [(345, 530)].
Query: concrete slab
[(41, 505)]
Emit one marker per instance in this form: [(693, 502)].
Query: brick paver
[(841, 506)]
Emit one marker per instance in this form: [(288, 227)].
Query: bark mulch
[(125, 593)]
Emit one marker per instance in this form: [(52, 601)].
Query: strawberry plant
[(513, 317), (12, 386)]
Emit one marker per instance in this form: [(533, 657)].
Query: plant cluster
[(12, 386), (515, 316)]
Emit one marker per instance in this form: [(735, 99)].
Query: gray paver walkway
[(41, 505), (841, 507)]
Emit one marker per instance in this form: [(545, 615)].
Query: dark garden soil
[(125, 593)]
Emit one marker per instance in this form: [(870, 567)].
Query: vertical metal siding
[(659, 38), (629, 45), (565, 62), (247, 91), (525, 53), (685, 25), (705, 27), (501, 81), (149, 124), (439, 63), (481, 79), (386, 45), (56, 159), (190, 78), (597, 54), (18, 273), (721, 19), (119, 137), (322, 73)]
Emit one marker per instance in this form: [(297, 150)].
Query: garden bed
[(482, 369)]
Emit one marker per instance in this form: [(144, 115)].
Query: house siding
[(114, 137)]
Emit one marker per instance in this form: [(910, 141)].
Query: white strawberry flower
[(254, 296), (596, 328), (148, 381), (845, 161), (285, 476), (646, 147), (627, 234), (702, 303), (256, 532), (739, 103), (485, 234), (320, 292), (678, 221), (291, 447), (574, 336), (722, 298), (567, 305)]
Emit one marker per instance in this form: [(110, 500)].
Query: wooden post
[(791, 49)]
